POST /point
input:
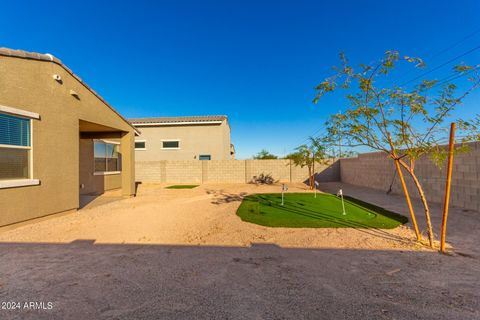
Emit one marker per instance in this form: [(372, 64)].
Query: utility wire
[(439, 53), (455, 44), (442, 81), (442, 65), (451, 78), (311, 135)]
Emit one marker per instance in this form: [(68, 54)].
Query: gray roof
[(6, 52), (169, 120)]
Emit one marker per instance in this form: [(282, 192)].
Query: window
[(15, 147), (140, 145), (204, 157), (170, 144), (106, 154)]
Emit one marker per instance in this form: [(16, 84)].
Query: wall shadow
[(137, 183), (85, 280), (86, 199), (329, 174)]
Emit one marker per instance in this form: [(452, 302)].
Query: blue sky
[(255, 61)]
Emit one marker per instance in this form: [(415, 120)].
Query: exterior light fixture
[(74, 94)]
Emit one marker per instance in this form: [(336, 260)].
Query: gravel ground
[(184, 254), (201, 216)]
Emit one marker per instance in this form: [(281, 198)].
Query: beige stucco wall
[(229, 171), (29, 85), (90, 183), (195, 140)]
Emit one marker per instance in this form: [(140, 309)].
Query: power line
[(454, 76), (455, 44), (442, 65), (308, 137), (442, 81), (451, 78), (442, 51)]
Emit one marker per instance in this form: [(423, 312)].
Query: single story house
[(183, 138), (58, 139)]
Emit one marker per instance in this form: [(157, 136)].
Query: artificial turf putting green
[(182, 186), (302, 210)]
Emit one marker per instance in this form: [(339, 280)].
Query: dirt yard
[(184, 254), (201, 216)]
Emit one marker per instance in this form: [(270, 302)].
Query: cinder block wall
[(375, 170), (183, 171), (279, 169), (229, 171)]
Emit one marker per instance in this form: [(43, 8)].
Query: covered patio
[(105, 161)]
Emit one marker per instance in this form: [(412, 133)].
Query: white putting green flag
[(284, 189), (340, 194)]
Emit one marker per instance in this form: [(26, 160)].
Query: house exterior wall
[(28, 84), (195, 140)]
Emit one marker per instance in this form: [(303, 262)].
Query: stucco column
[(127, 146)]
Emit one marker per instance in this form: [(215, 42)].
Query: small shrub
[(263, 179)]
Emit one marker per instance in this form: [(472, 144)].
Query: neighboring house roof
[(50, 58), (165, 121)]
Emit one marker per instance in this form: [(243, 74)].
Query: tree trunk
[(407, 198), (310, 177), (424, 202), (393, 155), (312, 186)]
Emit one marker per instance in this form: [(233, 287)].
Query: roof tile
[(198, 119)]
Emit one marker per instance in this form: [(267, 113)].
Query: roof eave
[(6, 52), (159, 124)]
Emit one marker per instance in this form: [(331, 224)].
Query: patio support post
[(128, 163)]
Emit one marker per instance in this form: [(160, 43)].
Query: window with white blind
[(106, 154), (15, 147)]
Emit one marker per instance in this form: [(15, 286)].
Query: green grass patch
[(182, 186), (302, 210)]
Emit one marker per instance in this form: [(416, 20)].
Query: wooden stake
[(446, 200), (407, 197)]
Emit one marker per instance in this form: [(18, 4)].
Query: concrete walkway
[(89, 201)]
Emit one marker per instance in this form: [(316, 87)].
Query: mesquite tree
[(308, 155), (405, 124)]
